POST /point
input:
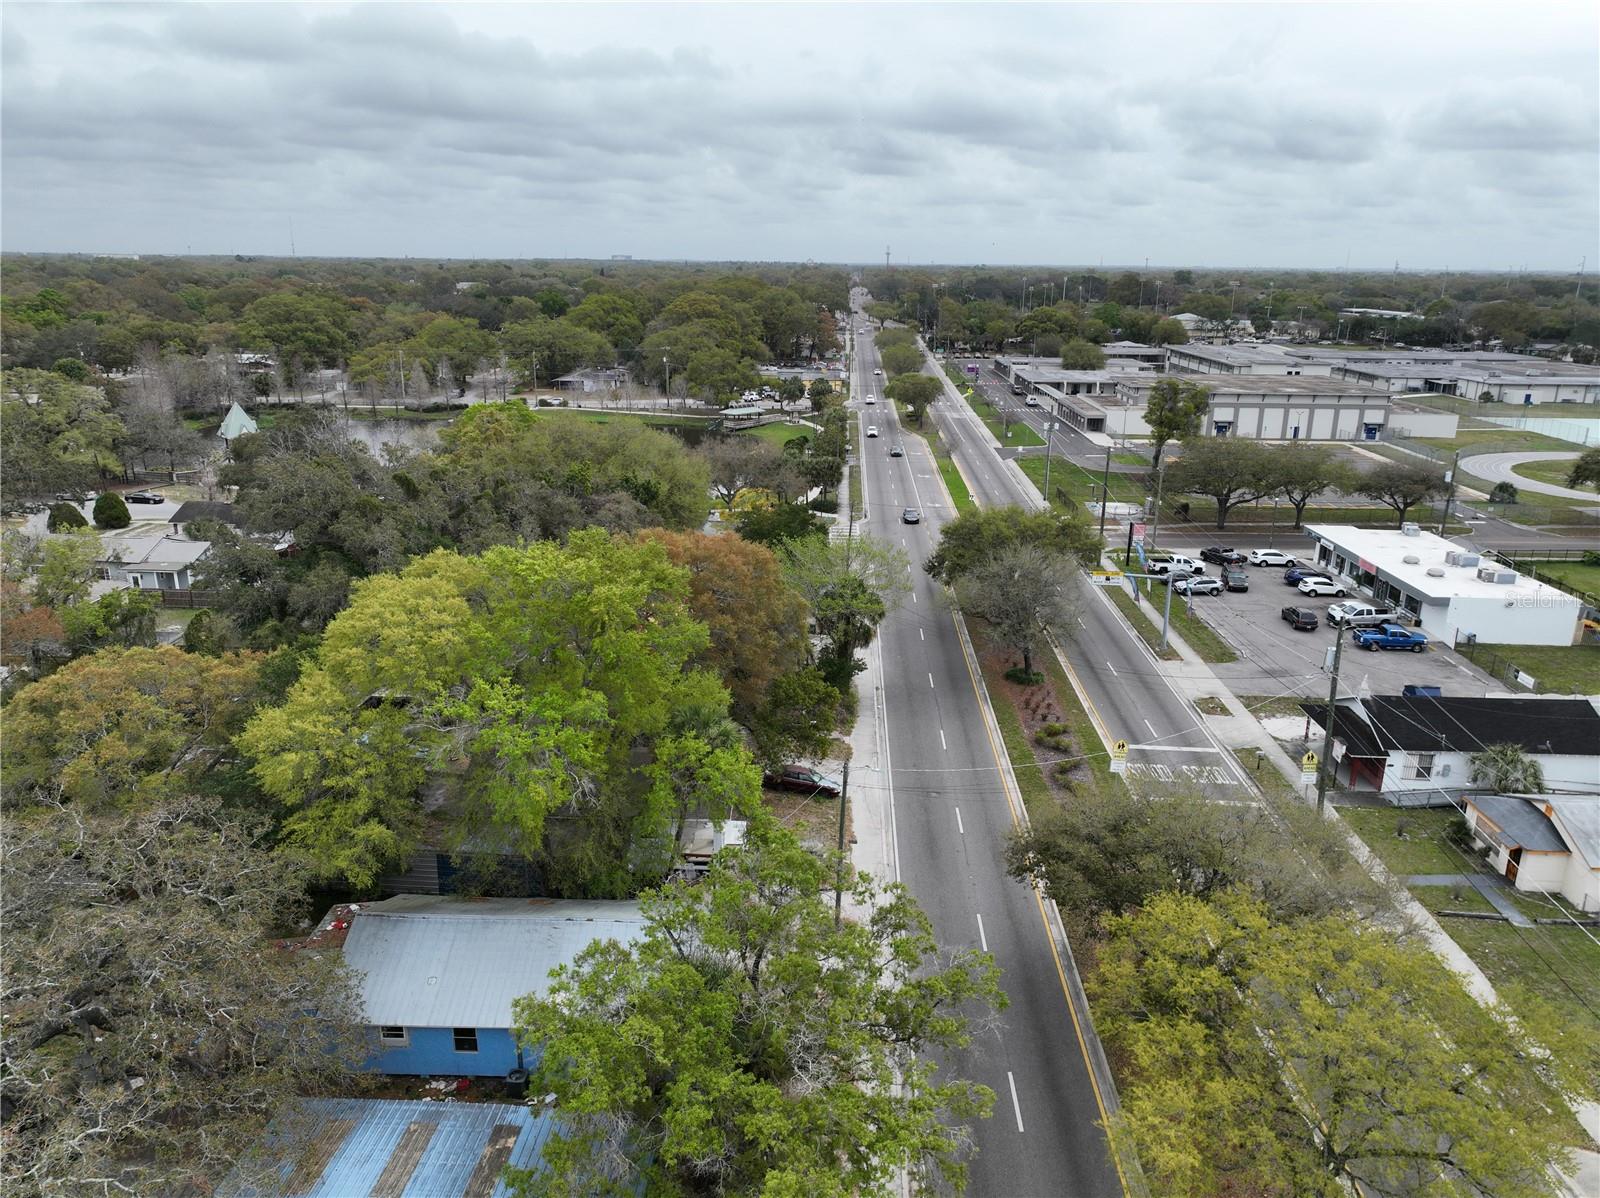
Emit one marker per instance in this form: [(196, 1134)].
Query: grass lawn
[(959, 494), (1424, 849), (1559, 669), (1267, 776), (1131, 459), (1271, 705), (1547, 472), (1495, 439), (1560, 965), (1451, 898), (1073, 486), (1574, 574), (1202, 638), (855, 471), (781, 434), (1020, 433), (1149, 633)]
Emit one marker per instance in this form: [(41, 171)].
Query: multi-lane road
[(953, 808)]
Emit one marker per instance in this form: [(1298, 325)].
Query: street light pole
[(1049, 437), (1325, 766), (1450, 495), (838, 879)]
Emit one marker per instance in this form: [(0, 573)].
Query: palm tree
[(1506, 769)]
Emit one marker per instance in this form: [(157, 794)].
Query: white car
[(1197, 584), (1272, 557), (872, 399), (879, 371), (872, 431), (1322, 586)]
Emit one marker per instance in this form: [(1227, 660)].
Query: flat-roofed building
[(1454, 594), (1272, 408), (1240, 359)]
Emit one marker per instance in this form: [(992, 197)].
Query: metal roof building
[(337, 1148), (439, 961)]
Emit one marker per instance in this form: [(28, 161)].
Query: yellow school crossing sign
[(1308, 768), (1119, 757)]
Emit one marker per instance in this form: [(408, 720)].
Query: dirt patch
[(811, 819), (1210, 705)]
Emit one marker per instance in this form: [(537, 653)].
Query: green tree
[(1318, 1056), (525, 682), (762, 1048), (901, 359), (1507, 769), (310, 327), (64, 517), (1022, 591), (1301, 472), (791, 390), (124, 726), (1168, 331), (111, 511), (819, 392), (545, 349), (55, 436), (614, 317), (65, 567), (152, 1026), (916, 391), (974, 537), (779, 525), (850, 587), (210, 634), (124, 617), (1586, 470), (1174, 411), (1230, 470), (798, 719), (1401, 486), (1079, 354)]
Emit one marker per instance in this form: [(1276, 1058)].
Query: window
[(1424, 766), (393, 1037), (466, 1039)]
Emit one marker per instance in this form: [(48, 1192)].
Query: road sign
[(1308, 769), (1106, 578), (1138, 534), (1119, 757), (972, 370)]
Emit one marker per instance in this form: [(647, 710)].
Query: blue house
[(340, 1147), (438, 974)]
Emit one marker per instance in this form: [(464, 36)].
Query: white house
[(1455, 595), (1542, 843), (150, 563), (1418, 747)]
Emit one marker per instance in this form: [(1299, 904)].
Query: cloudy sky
[(1438, 135)]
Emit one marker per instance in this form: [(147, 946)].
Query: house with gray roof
[(1542, 843), (439, 974)]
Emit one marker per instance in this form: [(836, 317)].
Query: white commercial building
[(1269, 408), (1241, 359), (1454, 594)]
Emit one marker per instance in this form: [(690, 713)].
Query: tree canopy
[(747, 1044), (1402, 485), (1174, 411), (973, 537)]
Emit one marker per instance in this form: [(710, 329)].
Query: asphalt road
[(952, 815)]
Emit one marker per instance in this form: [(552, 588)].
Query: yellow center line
[(969, 656)]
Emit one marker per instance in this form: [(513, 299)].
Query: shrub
[(65, 517), (824, 504), (1023, 678), (111, 512), (1591, 557), (1503, 493)]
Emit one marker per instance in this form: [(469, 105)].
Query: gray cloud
[(1256, 134)]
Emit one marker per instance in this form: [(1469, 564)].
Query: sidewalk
[(1493, 894)]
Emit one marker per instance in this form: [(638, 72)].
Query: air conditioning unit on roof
[(1496, 575), (1409, 529)]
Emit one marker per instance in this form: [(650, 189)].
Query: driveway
[(1497, 468)]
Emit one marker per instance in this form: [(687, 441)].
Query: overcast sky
[(1439, 135)]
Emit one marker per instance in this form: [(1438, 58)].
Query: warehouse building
[(1268, 408)]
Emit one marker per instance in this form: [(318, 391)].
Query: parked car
[(1353, 613), (897, 450), (801, 778), (1301, 619), (911, 516), (1175, 563), (144, 497), (1197, 584), (1222, 555), (872, 430), (1295, 575), (1272, 557), (1312, 584), (1389, 636), (1235, 579)]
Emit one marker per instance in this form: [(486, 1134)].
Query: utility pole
[(1155, 516), (1105, 493), (838, 878), (1325, 766), (1049, 436), (1451, 493)]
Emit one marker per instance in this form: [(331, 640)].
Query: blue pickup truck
[(1389, 636)]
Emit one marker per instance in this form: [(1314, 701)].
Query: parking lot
[(1274, 659)]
